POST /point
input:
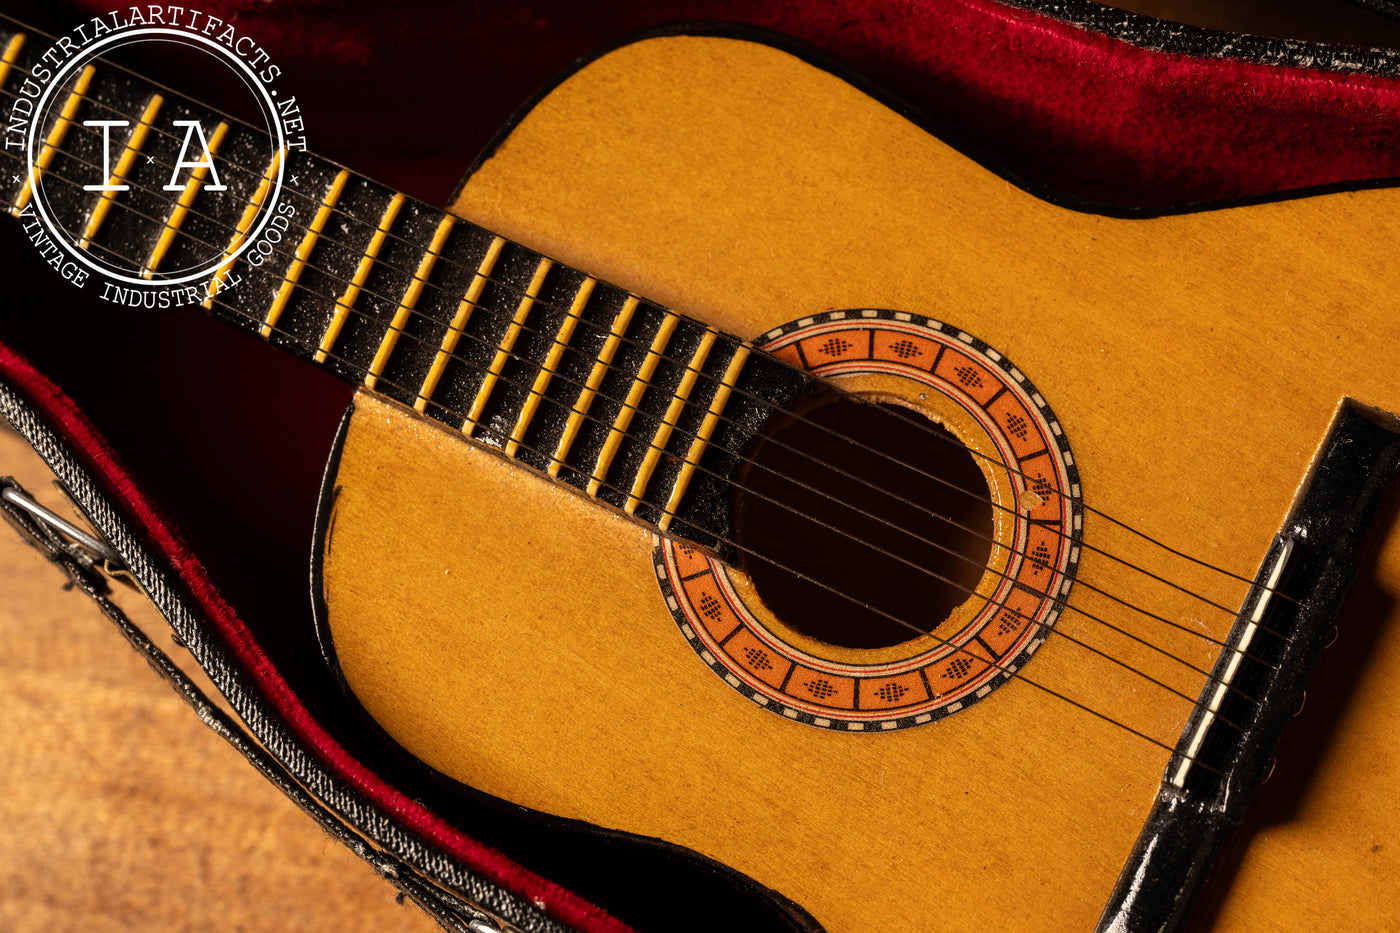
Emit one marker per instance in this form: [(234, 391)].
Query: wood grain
[(121, 811), (1195, 362)]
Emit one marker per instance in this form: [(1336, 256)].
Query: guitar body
[(515, 636)]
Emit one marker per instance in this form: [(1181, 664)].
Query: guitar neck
[(637, 406)]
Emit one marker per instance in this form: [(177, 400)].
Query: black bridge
[(1257, 684)]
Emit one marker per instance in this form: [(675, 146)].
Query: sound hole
[(862, 524)]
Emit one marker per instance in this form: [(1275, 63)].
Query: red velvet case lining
[(1080, 112), (1090, 115)]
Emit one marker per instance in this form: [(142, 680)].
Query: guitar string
[(1004, 575), (862, 604), (936, 545), (447, 260), (965, 492), (527, 328), (1195, 704), (1086, 584), (903, 500), (700, 375)]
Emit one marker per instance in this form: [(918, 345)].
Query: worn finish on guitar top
[(511, 632)]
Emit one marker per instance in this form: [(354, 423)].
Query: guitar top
[(1193, 362)]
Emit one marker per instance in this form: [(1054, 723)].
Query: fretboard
[(628, 402)]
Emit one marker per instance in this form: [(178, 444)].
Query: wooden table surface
[(120, 811)]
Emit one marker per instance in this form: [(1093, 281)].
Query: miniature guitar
[(736, 464)]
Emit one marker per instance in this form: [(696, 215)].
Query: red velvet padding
[(1091, 116)]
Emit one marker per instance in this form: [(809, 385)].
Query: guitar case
[(204, 480)]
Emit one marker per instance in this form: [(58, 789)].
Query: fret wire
[(161, 224), (595, 379), (410, 299), (551, 362), (351, 219), (679, 399), (227, 166), (302, 254), (459, 321), (640, 384), (503, 351), (119, 174), (12, 50), (152, 129), (702, 436), (182, 206), (352, 292), (55, 137), (629, 408), (287, 288), (245, 223)]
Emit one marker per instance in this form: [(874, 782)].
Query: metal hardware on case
[(95, 548), (482, 926)]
